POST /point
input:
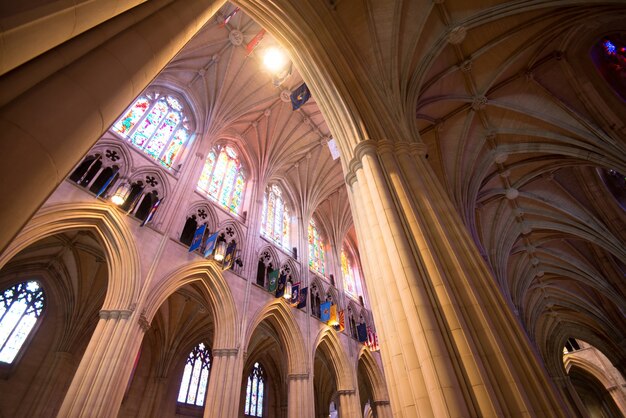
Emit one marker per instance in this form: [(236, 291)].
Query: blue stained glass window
[(157, 125), (20, 307), (196, 376), (255, 392)]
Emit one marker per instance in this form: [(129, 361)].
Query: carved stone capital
[(298, 376), (381, 403), (144, 323), (224, 352), (115, 313)]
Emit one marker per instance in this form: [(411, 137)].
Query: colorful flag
[(342, 320), (334, 318), (229, 16), (300, 96), (197, 238), (152, 212), (280, 290), (303, 297), (210, 244), (325, 311), (229, 256), (295, 294), (107, 183), (361, 331), (255, 41), (272, 281)]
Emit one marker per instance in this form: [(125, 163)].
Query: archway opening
[(324, 384), (174, 361), (71, 271), (264, 385)]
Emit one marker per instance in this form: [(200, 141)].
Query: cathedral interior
[(313, 208)]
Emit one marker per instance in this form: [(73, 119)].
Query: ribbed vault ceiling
[(519, 128)]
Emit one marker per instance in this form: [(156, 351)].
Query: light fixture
[(275, 60), (220, 251), (288, 291), (121, 194)]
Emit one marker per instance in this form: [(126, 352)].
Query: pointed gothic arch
[(220, 299), (110, 226), (328, 341), (278, 315)]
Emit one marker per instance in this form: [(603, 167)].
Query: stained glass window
[(351, 278), (275, 217), (196, 376), (20, 307), (255, 392), (157, 125), (222, 178), (609, 56), (316, 249)]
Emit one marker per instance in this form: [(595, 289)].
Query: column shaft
[(98, 385), (222, 397), (42, 140)]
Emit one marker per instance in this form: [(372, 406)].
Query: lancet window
[(222, 178), (351, 277), (609, 56), (316, 249), (20, 309), (156, 124), (196, 376), (275, 217), (255, 392)]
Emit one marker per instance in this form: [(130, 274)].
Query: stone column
[(152, 397), (222, 395), (382, 409), (450, 346), (102, 375), (300, 402), (349, 404), (41, 140), (28, 34)]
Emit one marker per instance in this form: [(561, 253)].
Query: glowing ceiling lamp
[(275, 59)]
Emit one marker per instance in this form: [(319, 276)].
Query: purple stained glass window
[(20, 307), (255, 392), (609, 56), (157, 125), (275, 222), (222, 178), (195, 376)]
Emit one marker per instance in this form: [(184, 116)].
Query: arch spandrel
[(279, 316), (220, 299), (110, 226)]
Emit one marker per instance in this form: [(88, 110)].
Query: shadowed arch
[(221, 302), (108, 223), (374, 374), (279, 317), (328, 342)]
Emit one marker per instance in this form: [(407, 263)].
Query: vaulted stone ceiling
[(518, 125)]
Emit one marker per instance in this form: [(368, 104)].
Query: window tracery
[(255, 392), (275, 217), (196, 376), (20, 308), (222, 178), (157, 125)]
